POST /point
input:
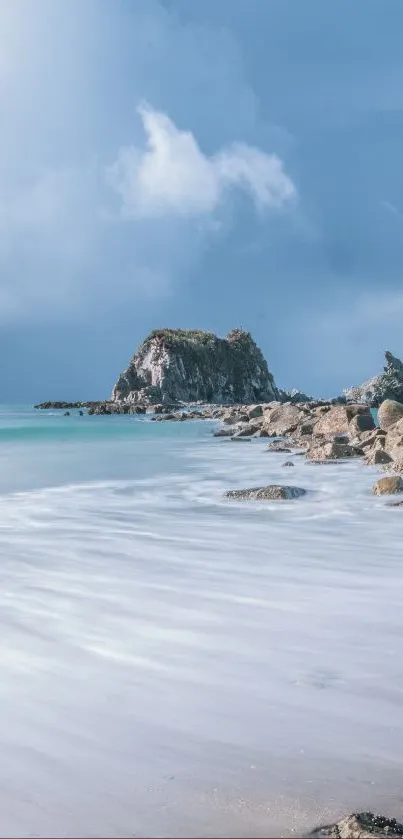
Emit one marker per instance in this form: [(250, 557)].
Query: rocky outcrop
[(189, 365), (360, 826), (386, 385)]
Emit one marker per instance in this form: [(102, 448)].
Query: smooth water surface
[(177, 664)]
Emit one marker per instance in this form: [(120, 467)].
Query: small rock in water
[(278, 446), (273, 492), (238, 439), (288, 463), (389, 486), (224, 432), (360, 826)]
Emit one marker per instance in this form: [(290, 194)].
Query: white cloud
[(172, 176)]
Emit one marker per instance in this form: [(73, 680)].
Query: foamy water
[(177, 664)]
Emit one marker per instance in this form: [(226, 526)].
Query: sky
[(206, 164)]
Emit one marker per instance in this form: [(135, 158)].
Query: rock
[(272, 492), (137, 409), (288, 463), (57, 406), (282, 419), (238, 439), (191, 365), (360, 423), (230, 419), (247, 430), (390, 412), (395, 504), (255, 411), (306, 427), (389, 485), (369, 438), (386, 385), (376, 457), (337, 419), (331, 451), (360, 826), (278, 446), (224, 432)]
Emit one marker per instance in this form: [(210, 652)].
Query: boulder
[(376, 456), (247, 430), (337, 419), (273, 492), (331, 451), (369, 438), (360, 826), (389, 485), (288, 463), (254, 411), (306, 427), (389, 413), (282, 420), (360, 423)]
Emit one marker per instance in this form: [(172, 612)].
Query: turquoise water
[(175, 664)]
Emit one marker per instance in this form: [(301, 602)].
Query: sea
[(177, 664)]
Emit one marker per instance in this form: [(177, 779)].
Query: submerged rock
[(191, 365), (273, 492), (390, 485), (360, 826), (386, 385), (278, 446)]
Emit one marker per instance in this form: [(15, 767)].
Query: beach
[(178, 664)]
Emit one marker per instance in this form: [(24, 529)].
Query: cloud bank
[(173, 176)]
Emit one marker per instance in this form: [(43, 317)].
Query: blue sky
[(205, 164)]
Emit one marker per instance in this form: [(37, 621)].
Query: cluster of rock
[(324, 432), (386, 385), (360, 826), (59, 406)]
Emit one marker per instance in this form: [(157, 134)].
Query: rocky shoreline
[(322, 431)]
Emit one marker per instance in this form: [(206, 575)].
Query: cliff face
[(386, 385), (187, 365)]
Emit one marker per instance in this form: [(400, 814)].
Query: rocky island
[(177, 365)]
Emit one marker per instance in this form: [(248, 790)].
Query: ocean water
[(175, 664)]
